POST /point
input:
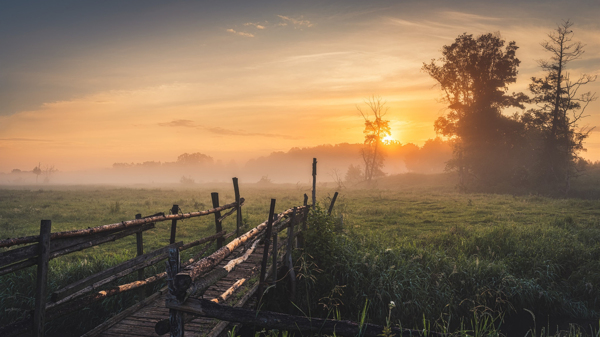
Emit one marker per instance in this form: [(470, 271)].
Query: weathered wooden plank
[(125, 313)]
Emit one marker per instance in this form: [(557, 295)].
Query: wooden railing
[(42, 248)]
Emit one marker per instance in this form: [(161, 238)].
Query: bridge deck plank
[(142, 322)]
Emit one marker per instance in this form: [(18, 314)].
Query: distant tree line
[(536, 148)]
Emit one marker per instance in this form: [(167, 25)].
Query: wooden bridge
[(230, 275)]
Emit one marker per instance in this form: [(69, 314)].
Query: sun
[(388, 139)]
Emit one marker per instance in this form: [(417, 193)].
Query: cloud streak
[(300, 22), (217, 130), (233, 31)]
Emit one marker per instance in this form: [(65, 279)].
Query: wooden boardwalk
[(142, 321)]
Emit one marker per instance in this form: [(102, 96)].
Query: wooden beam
[(332, 203), (273, 320), (113, 227), (314, 184), (174, 210), (39, 314), (238, 222), (215, 202)]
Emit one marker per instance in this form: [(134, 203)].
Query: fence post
[(238, 223), (139, 240), (219, 227), (274, 263), (175, 317), (303, 229), (314, 189), (39, 314), (332, 203), (174, 210), (263, 267), (288, 259)]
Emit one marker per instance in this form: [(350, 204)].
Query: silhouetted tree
[(560, 107), (375, 130), (37, 171), (474, 74), (194, 159)]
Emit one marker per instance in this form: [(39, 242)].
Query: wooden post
[(301, 234), (174, 210), (39, 314), (139, 240), (288, 257), (219, 227), (332, 203), (175, 317), (314, 189), (263, 267), (274, 263), (236, 190)]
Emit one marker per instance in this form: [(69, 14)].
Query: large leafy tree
[(474, 74), (560, 107)]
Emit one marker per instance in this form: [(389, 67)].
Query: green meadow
[(449, 261)]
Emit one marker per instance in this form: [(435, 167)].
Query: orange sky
[(242, 83)]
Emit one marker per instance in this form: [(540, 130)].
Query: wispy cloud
[(256, 25), (24, 140), (179, 123), (299, 22), (233, 31), (217, 130)]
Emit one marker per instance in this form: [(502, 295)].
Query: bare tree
[(375, 130), (560, 107)]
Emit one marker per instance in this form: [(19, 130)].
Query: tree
[(474, 74), (196, 158), (375, 130), (37, 171), (559, 108)]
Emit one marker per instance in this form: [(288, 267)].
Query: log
[(224, 296), (114, 226), (95, 281), (215, 275), (284, 322)]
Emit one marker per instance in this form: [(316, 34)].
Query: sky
[(85, 84)]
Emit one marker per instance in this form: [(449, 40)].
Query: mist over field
[(293, 166)]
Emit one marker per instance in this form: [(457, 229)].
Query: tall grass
[(457, 279)]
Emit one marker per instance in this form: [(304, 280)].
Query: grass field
[(438, 254)]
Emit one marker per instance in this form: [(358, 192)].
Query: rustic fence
[(40, 249)]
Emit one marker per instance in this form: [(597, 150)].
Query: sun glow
[(388, 139)]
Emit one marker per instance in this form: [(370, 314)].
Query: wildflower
[(392, 305)]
